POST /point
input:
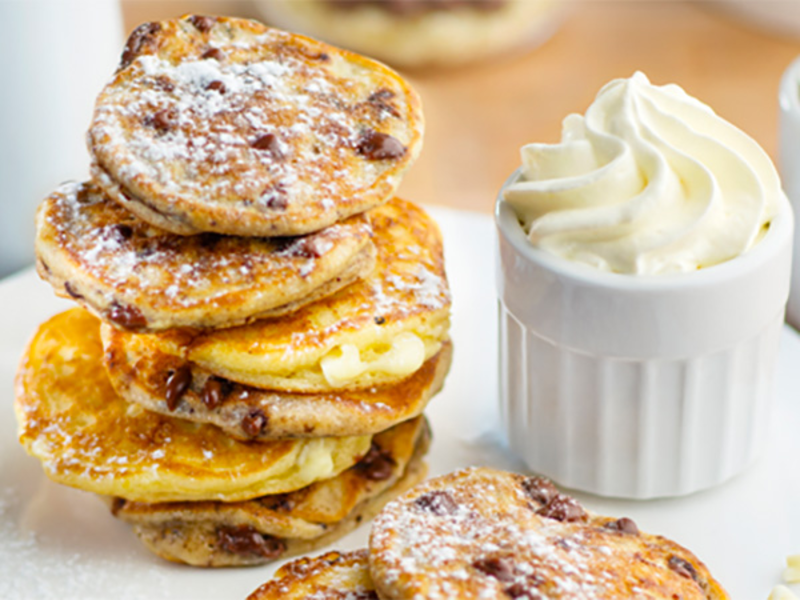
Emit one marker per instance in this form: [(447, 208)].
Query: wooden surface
[(478, 116)]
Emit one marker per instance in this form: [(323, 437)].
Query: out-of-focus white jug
[(56, 57)]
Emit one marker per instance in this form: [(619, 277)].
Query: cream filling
[(345, 362)]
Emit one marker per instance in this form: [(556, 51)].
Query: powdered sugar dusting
[(484, 539), (74, 552), (331, 576), (185, 123)]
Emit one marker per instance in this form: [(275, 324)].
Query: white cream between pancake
[(345, 363), (649, 181)]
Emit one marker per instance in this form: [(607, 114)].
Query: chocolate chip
[(162, 120), (377, 464), (163, 82), (213, 392), (683, 568), (539, 489), (438, 503), (45, 267), (138, 39), (122, 232), (278, 502), (623, 525), (117, 504), (217, 86), (128, 317), (380, 320), (254, 422), (517, 590), (246, 540), (71, 291), (500, 568), (83, 195), (563, 508), (178, 381), (381, 100), (274, 197), (374, 145), (270, 143), (202, 23), (213, 53), (381, 95), (306, 247)]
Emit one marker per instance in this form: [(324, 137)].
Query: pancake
[(330, 576), (375, 332), (145, 279), (88, 437), (224, 125), (141, 375), (481, 533), (218, 534), (413, 34)]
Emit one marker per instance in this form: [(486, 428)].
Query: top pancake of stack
[(224, 125)]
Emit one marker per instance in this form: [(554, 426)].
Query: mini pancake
[(415, 34), (219, 534), (330, 576), (142, 375), (481, 533), (88, 437), (145, 279), (225, 125), (375, 332)]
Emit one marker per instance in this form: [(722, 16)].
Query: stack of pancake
[(262, 323)]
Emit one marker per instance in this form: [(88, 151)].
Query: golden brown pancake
[(143, 375), (145, 279), (481, 533), (330, 576), (220, 534), (375, 332), (225, 125), (88, 437)]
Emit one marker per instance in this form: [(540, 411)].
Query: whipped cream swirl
[(649, 181)]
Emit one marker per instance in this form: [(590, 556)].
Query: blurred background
[(493, 75)]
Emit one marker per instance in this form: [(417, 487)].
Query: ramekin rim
[(774, 239)]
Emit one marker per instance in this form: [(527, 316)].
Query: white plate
[(56, 542)]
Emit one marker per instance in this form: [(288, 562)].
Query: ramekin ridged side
[(789, 161)]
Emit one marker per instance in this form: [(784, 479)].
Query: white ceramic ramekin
[(638, 386), (789, 162)]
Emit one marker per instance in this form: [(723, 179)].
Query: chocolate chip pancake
[(220, 534), (145, 279), (148, 377), (330, 576), (375, 332), (480, 533), (224, 125), (88, 437)]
